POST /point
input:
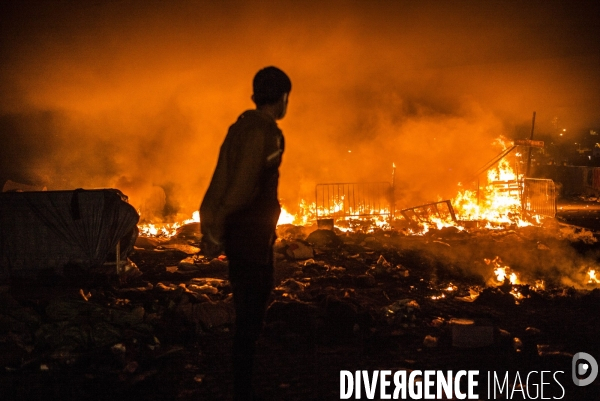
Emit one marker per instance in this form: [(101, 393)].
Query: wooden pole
[(529, 153), (527, 171)]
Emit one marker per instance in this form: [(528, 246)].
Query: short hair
[(269, 85)]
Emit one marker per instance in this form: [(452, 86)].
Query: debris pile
[(382, 294)]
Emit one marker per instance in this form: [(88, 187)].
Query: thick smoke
[(139, 95)]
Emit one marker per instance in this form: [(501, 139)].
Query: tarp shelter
[(46, 230)]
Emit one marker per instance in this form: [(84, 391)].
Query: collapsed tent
[(46, 230)]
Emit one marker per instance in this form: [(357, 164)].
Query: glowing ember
[(451, 287), (515, 293)]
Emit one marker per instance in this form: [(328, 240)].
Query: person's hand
[(210, 248)]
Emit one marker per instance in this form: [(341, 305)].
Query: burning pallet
[(431, 212)]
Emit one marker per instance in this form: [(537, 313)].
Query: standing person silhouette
[(240, 210)]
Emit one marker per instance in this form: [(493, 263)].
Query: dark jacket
[(243, 189)]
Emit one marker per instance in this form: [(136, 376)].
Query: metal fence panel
[(539, 196), (442, 210), (340, 200)]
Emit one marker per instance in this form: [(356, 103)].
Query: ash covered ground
[(344, 301)]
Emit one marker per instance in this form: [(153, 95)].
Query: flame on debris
[(166, 230), (439, 223), (502, 273), (308, 213), (285, 217), (450, 288), (504, 276), (496, 204)]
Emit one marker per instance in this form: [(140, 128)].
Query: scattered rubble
[(419, 300)]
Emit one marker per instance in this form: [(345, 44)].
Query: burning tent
[(47, 230)]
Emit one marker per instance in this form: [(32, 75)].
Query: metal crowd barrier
[(340, 200), (539, 196), (442, 210)]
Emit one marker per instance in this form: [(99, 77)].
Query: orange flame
[(502, 272), (165, 230), (497, 204)]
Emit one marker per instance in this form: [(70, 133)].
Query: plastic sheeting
[(47, 230)]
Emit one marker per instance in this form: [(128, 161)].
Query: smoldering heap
[(385, 298)]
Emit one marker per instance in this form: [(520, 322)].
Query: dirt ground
[(362, 301)]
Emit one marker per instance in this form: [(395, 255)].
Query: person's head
[(271, 89)]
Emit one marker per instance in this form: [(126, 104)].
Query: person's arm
[(244, 183), (210, 226), (234, 185)]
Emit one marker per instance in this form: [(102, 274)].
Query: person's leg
[(250, 299), (249, 249)]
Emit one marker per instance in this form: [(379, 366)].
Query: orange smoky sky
[(138, 95)]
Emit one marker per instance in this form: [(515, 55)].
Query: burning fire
[(308, 213), (451, 288), (285, 217), (593, 279), (497, 203), (439, 223), (502, 273), (166, 230)]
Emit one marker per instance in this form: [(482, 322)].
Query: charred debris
[(368, 294)]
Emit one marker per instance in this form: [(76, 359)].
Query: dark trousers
[(250, 254)]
